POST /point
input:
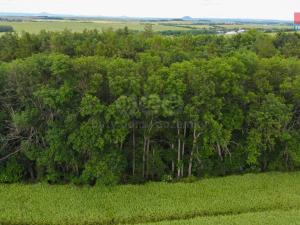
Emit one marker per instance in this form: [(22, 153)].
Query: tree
[(268, 123), (264, 46), (127, 107)]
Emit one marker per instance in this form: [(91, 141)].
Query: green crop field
[(291, 217), (78, 26), (272, 198)]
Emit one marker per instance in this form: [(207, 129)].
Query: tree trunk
[(183, 149), (192, 153), (173, 167), (178, 151), (173, 164), (31, 172), (147, 158), (152, 164), (144, 155), (133, 150), (190, 163), (121, 146), (219, 151)]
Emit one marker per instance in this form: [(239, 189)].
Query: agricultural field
[(35, 26), (260, 218), (78, 26), (272, 198)]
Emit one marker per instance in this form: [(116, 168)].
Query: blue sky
[(254, 9)]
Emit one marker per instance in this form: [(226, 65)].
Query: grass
[(153, 202)]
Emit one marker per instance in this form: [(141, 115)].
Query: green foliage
[(189, 179), (104, 171), (11, 172), (90, 106), (264, 46), (167, 178), (120, 106)]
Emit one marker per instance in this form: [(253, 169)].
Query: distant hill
[(185, 18)]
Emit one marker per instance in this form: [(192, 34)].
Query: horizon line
[(36, 14)]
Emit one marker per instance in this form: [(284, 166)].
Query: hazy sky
[(259, 9)]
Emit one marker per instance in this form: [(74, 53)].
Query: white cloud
[(265, 9)]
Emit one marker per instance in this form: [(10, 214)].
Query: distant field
[(256, 26), (77, 26), (272, 198), (230, 26)]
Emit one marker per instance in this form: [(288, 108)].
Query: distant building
[(231, 33)]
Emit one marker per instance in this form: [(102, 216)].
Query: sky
[(245, 9)]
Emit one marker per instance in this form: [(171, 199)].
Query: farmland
[(78, 25), (260, 218), (272, 198)]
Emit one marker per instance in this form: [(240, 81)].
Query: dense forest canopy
[(125, 107)]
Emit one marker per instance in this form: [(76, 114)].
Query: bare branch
[(9, 155)]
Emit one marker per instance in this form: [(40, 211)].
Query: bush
[(12, 172), (167, 178), (190, 179), (137, 179), (105, 171)]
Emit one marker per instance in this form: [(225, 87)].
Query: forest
[(120, 106)]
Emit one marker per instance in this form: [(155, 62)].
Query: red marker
[(297, 18)]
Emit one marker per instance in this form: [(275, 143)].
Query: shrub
[(105, 171), (167, 178), (11, 172), (190, 179)]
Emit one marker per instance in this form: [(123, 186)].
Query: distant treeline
[(188, 32), (125, 107), (213, 28)]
